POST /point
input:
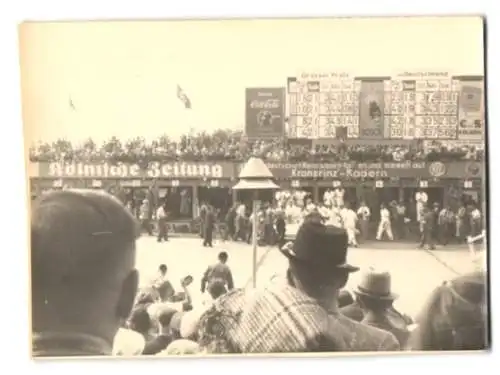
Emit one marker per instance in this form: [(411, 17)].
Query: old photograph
[(256, 186)]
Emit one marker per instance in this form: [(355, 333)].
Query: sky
[(121, 77)]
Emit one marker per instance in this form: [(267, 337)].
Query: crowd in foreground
[(86, 301), (234, 146)]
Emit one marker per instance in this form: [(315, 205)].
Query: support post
[(254, 239)]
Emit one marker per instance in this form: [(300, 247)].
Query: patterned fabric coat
[(282, 319)]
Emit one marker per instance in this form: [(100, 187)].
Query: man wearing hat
[(375, 298), (302, 314), (83, 273)]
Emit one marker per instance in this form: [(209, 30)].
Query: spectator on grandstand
[(234, 146), (82, 272), (302, 314)]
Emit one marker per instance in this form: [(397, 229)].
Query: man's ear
[(127, 295)]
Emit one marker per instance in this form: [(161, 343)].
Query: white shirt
[(350, 218), (328, 197), (421, 197), (160, 213), (324, 211), (310, 207), (475, 214), (385, 214), (241, 210), (364, 212)]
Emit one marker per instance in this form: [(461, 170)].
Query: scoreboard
[(404, 107), (425, 108), (318, 107)]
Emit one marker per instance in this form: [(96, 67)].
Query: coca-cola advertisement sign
[(265, 112)]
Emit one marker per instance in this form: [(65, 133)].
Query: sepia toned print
[(256, 186)]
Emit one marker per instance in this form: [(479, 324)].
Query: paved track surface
[(415, 272)]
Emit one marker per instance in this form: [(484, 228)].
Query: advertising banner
[(353, 170), (371, 109), (265, 112), (471, 110), (97, 171)]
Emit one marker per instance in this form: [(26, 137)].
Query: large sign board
[(319, 104), (423, 105), (412, 105), (471, 110), (265, 112)]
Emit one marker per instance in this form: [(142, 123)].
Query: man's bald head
[(82, 245)]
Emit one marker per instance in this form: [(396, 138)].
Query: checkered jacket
[(282, 319)]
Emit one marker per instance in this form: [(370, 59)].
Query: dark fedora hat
[(376, 284), (321, 246)]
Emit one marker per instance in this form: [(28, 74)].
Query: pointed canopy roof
[(264, 184), (255, 168)]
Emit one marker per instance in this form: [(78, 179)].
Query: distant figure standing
[(203, 213), (427, 225), (364, 219), (219, 272), (385, 223), (208, 227), (280, 228), (241, 222), (161, 217), (144, 217), (230, 222), (350, 220)]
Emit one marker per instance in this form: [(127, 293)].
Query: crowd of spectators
[(234, 146), (87, 298)]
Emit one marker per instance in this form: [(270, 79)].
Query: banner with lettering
[(471, 110), (354, 170), (97, 171), (265, 112), (371, 109)]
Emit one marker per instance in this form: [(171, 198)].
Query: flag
[(183, 97), (71, 104), (470, 98)]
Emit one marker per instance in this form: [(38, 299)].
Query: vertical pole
[(195, 203), (254, 239)]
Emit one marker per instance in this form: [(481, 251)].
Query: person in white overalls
[(350, 220), (384, 226), (339, 196)]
